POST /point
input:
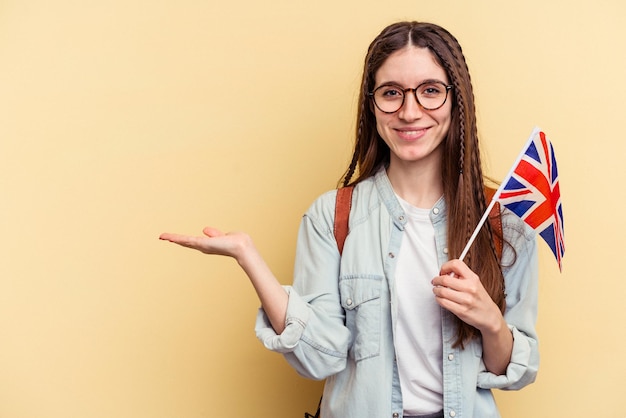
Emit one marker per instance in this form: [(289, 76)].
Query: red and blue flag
[(531, 191)]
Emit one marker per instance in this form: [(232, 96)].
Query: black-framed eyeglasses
[(430, 95)]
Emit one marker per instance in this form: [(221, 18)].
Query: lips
[(411, 134)]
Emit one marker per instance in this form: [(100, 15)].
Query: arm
[(520, 316), (305, 321), (239, 246), (315, 341)]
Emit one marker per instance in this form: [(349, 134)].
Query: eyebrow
[(428, 80)]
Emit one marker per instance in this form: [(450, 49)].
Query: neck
[(418, 184)]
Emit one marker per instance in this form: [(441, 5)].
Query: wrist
[(244, 250), (495, 326)]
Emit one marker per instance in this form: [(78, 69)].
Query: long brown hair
[(462, 175)]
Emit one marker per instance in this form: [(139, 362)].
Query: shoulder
[(520, 240), (514, 228), (364, 196)]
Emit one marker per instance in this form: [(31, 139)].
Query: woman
[(397, 325)]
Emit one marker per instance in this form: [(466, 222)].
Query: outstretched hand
[(239, 245), (213, 241)]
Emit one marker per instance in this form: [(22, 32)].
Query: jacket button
[(452, 414), (395, 415), (436, 211), (349, 302), (450, 357)]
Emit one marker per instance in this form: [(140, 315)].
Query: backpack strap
[(343, 205)]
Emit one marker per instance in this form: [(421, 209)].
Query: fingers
[(212, 232), (456, 285), (456, 275), (456, 295), (456, 267), (184, 240), (213, 241), (166, 236), (463, 294)]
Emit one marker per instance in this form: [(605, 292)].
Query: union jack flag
[(531, 191)]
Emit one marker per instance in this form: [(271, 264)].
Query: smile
[(411, 133)]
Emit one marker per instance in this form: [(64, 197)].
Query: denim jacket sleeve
[(315, 341), (521, 280)]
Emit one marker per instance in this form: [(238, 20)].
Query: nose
[(411, 109)]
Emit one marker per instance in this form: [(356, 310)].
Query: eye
[(389, 92), (431, 90)]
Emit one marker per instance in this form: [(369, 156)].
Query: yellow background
[(123, 119)]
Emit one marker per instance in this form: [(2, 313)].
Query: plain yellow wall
[(123, 119)]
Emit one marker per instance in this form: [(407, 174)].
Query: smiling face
[(413, 134)]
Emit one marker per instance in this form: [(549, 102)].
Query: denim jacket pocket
[(360, 298)]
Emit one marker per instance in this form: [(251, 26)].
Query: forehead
[(410, 66)]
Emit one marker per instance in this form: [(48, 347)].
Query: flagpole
[(477, 229), (496, 196)]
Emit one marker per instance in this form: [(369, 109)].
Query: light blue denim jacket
[(342, 311)]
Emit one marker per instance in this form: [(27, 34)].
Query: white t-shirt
[(418, 336)]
